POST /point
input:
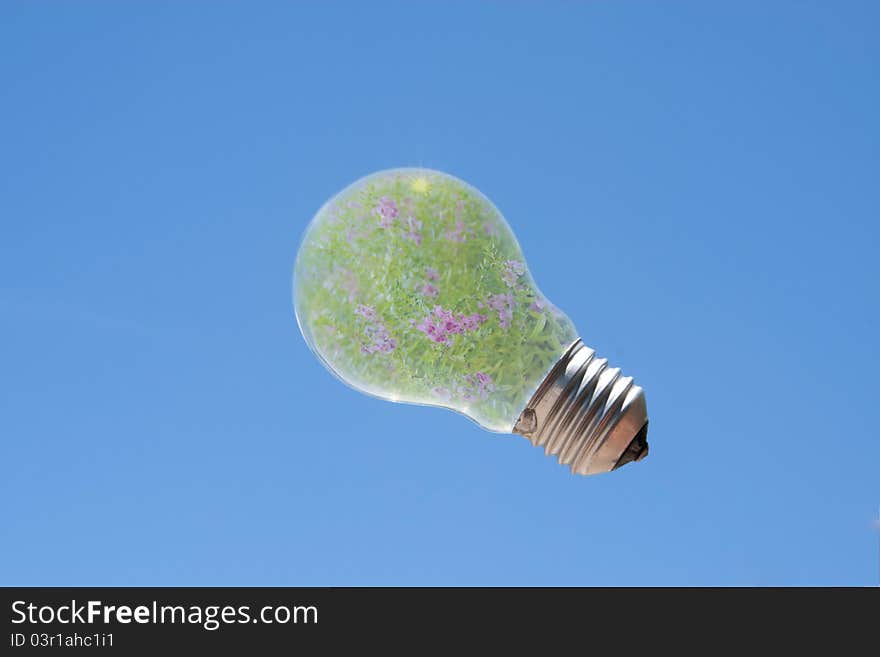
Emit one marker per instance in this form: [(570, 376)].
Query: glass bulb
[(410, 286)]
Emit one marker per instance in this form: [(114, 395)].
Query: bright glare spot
[(420, 185)]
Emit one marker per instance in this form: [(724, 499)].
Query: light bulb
[(410, 286)]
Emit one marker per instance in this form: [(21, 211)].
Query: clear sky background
[(695, 184)]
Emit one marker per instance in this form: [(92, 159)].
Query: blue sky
[(695, 184)]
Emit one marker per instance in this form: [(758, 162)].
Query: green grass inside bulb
[(410, 286)]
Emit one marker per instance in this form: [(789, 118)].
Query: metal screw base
[(592, 418)]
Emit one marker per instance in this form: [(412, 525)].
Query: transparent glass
[(410, 286)]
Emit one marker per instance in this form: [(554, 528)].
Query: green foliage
[(380, 258)]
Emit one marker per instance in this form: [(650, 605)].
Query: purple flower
[(500, 301), (447, 320), (413, 232), (434, 332), (513, 269), (484, 384), (453, 326), (367, 312), (378, 340), (538, 305), (464, 392), (442, 393), (467, 388), (475, 385), (431, 274), (503, 304), (429, 290), (458, 234), (386, 210), (443, 314), (440, 324), (472, 322)]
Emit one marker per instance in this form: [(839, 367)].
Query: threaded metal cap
[(588, 415)]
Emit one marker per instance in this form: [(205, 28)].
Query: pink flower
[(429, 290), (386, 210), (440, 324), (458, 234), (513, 269), (442, 393), (452, 326), (464, 392), (503, 304), (434, 332), (414, 227), (431, 274), (367, 312), (484, 384), (443, 314), (472, 322), (379, 340), (376, 333), (499, 301), (475, 385)]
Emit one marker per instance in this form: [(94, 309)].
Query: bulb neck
[(588, 415)]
